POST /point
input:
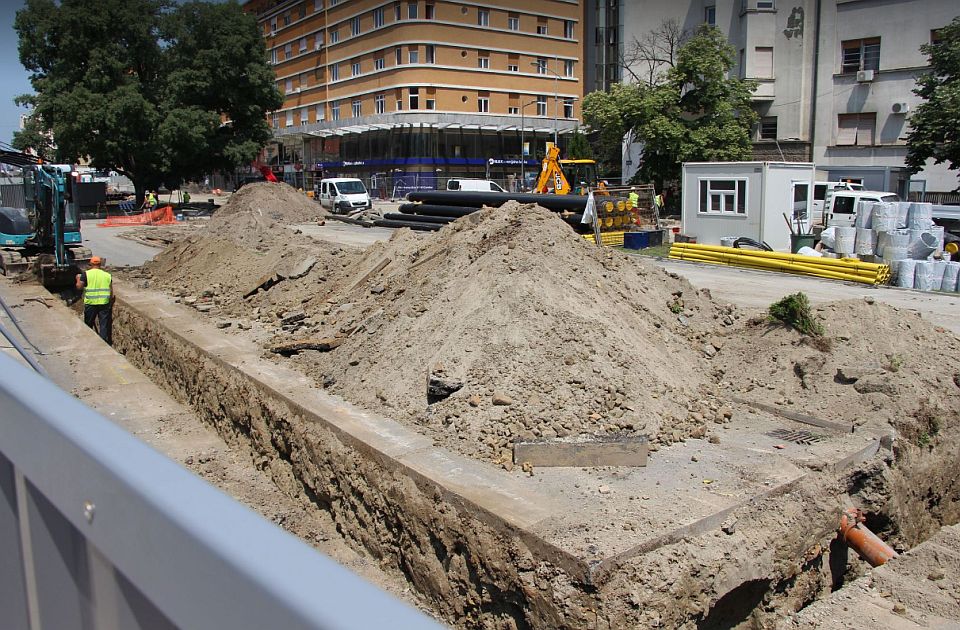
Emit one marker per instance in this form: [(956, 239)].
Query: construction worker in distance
[(634, 198), (97, 287)]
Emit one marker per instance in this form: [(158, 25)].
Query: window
[(414, 98), (334, 36), (860, 54), (318, 75), (290, 118), (483, 104), (379, 103), (378, 17), (513, 23), (273, 26), (513, 110), (288, 86), (334, 3), (318, 5), (286, 19), (288, 51), (856, 129), (414, 55), (398, 53), (431, 103), (273, 56), (541, 106), (318, 41), (765, 4), (429, 11), (396, 12), (334, 109), (541, 29), (378, 63), (302, 11), (431, 56), (355, 26), (355, 68), (936, 36), (483, 17), (512, 67), (319, 113), (304, 116), (763, 63), (568, 108), (412, 10), (568, 29), (335, 72), (768, 128), (723, 196), (275, 119), (483, 59), (357, 108), (303, 44), (568, 68), (399, 104), (710, 15), (541, 65)]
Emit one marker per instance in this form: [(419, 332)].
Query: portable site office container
[(733, 199)]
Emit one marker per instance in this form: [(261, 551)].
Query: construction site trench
[(317, 361)]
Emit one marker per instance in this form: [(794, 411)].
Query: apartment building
[(405, 91), (835, 77)]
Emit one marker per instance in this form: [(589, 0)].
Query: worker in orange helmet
[(98, 298)]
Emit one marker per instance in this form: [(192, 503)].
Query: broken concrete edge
[(589, 451), (410, 463)]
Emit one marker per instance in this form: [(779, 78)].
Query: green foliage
[(579, 148), (696, 113), (935, 122), (143, 86), (794, 310), (34, 138)]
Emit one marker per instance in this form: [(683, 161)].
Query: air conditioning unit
[(900, 108), (296, 90), (865, 76)]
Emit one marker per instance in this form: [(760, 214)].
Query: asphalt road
[(105, 242)]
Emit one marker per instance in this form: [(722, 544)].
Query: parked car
[(474, 185), (841, 207)]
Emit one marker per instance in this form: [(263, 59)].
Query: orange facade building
[(407, 93)]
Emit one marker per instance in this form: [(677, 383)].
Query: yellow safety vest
[(97, 290), (634, 199)]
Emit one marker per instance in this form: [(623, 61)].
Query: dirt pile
[(536, 333), (247, 244)]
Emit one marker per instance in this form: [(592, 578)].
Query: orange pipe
[(867, 545)]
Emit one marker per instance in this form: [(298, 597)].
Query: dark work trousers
[(102, 314)]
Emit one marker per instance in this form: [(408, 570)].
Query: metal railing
[(98, 530)]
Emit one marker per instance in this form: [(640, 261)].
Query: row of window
[(413, 102), (378, 19), (852, 129), (413, 57), (858, 54)]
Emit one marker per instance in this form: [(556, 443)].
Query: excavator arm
[(551, 175)]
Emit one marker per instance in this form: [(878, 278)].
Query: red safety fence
[(160, 216)]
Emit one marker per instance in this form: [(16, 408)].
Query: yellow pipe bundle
[(849, 269)]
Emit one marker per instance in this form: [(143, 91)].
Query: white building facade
[(835, 78)]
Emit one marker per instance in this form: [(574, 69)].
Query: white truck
[(342, 195)]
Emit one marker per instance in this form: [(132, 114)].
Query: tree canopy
[(692, 110), (935, 124), (158, 92)]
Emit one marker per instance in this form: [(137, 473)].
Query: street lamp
[(556, 94), (523, 160)]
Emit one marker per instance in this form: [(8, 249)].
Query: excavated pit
[(730, 523)]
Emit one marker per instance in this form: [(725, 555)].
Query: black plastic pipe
[(413, 225), (478, 199), (434, 210), (396, 216)]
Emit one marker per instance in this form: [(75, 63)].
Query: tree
[(157, 92), (579, 147), (655, 52), (935, 124), (33, 137), (693, 111)]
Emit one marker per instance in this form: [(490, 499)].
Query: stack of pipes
[(837, 269)]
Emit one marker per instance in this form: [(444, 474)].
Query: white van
[(474, 185), (822, 190), (344, 194), (841, 207)]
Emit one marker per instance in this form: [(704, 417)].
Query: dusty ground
[(548, 336)]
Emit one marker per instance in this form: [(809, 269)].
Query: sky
[(13, 77)]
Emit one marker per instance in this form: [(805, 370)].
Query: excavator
[(47, 231), (553, 175)]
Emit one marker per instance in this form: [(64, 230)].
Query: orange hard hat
[(95, 260)]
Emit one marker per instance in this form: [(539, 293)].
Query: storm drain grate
[(797, 436)]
